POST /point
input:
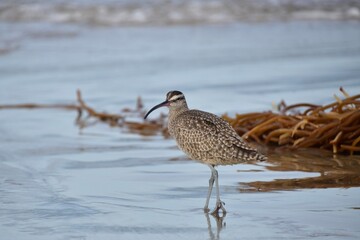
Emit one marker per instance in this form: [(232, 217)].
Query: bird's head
[(174, 100)]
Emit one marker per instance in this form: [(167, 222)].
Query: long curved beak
[(163, 104)]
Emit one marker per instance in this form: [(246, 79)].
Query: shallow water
[(59, 182)]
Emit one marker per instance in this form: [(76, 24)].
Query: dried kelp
[(335, 126)]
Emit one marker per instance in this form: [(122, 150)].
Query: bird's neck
[(174, 112)]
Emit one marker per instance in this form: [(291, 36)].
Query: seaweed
[(121, 120), (335, 126)]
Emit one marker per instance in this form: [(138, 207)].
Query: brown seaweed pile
[(335, 126)]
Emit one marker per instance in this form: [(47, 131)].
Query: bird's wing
[(200, 134), (196, 133)]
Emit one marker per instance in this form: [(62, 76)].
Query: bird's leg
[(219, 204), (211, 184)]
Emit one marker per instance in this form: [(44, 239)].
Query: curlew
[(207, 138)]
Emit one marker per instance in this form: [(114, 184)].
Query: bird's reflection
[(220, 224)]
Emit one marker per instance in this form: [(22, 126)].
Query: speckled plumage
[(208, 138)]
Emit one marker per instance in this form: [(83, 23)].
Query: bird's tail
[(259, 157)]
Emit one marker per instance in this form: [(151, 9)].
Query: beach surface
[(100, 182)]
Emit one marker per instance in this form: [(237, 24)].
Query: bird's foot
[(206, 209), (219, 206)]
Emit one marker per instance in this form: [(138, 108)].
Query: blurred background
[(117, 50), (227, 56)]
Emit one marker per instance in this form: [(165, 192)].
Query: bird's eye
[(177, 99)]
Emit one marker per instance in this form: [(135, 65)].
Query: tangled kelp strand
[(88, 116), (120, 120)]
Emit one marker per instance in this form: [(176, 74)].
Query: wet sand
[(100, 184)]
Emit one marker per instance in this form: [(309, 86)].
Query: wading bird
[(207, 138)]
